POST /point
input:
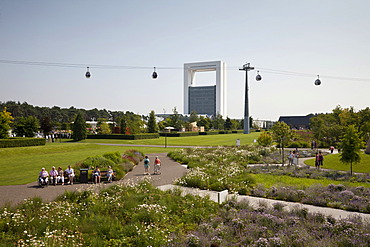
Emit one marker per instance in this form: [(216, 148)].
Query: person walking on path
[(319, 160), (146, 165), (157, 165), (290, 158), (295, 157)]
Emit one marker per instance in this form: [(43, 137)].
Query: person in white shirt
[(70, 174)]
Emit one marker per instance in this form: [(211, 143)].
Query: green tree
[(123, 124), (26, 126), (152, 123), (193, 117), (5, 122), (264, 139), (104, 129), (364, 123), (205, 122), (79, 128), (228, 124), (46, 125), (175, 119), (350, 146), (218, 122), (283, 135), (134, 123), (235, 124)]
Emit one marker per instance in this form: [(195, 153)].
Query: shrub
[(127, 165), (92, 162), (113, 156), (132, 156), (209, 133), (21, 142), (125, 137), (179, 134), (134, 153)]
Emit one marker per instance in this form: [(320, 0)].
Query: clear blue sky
[(329, 38)]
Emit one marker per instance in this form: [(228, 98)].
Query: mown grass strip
[(269, 180), (332, 161)]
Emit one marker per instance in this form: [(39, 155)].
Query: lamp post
[(167, 130), (246, 68)]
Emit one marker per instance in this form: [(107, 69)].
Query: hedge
[(209, 133), (21, 142), (179, 134), (125, 137)]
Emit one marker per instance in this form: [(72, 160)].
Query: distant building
[(209, 100), (297, 122), (263, 124)]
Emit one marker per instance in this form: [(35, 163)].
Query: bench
[(66, 179), (103, 176)]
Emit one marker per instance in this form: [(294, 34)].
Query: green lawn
[(21, 165), (332, 162), (201, 140), (269, 180)]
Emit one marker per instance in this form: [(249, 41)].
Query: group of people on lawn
[(56, 176)]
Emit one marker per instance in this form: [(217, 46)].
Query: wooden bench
[(104, 177)]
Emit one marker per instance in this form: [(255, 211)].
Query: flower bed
[(227, 168), (141, 215)]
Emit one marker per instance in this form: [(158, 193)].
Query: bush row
[(21, 142), (179, 134), (125, 137), (121, 164), (213, 132)]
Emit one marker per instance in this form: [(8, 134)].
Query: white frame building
[(189, 75)]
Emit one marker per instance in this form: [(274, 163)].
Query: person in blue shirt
[(146, 165)]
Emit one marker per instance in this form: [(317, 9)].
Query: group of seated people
[(56, 176)]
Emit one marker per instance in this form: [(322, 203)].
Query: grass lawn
[(21, 165), (332, 162), (201, 140), (269, 180)]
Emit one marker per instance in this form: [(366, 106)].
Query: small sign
[(238, 142)]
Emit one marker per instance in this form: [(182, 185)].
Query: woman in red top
[(157, 165)]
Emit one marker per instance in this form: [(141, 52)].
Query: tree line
[(26, 119), (328, 129)]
